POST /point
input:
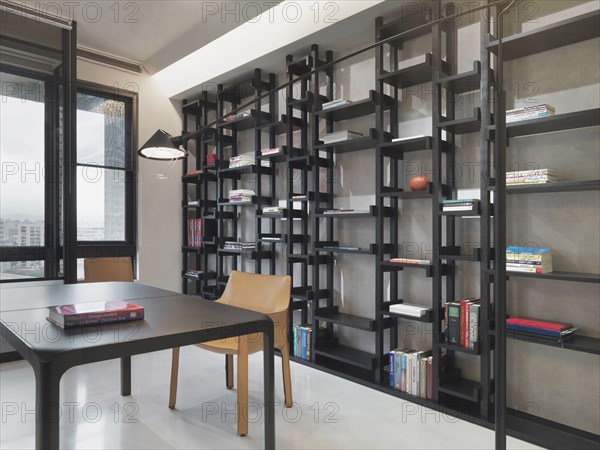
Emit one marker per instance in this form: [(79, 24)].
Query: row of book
[(302, 341), (410, 261), (462, 323), (540, 328), (239, 246), (270, 151), (344, 211), (412, 372), (238, 116), (529, 112), (524, 177), (194, 233), (528, 259), (241, 195)]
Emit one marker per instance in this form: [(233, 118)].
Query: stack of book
[(340, 136), (191, 173), (407, 309), (343, 211), (239, 246), (194, 274), (241, 195), (234, 117), (530, 112), (412, 372), (270, 151), (303, 341), (460, 205), (241, 161), (410, 261), (540, 328), (528, 259), (462, 323), (410, 138), (275, 210), (83, 314), (538, 176), (335, 104)]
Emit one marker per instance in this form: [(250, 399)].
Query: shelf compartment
[(195, 107), (459, 348), (199, 250), (226, 141), (565, 32), (352, 145), (307, 293), (426, 318), (202, 204), (204, 277), (311, 197), (399, 148), (198, 178), (333, 315), (309, 259), (457, 254), (219, 215), (356, 109), (387, 212), (463, 126), (465, 82), (305, 103), (551, 124), (248, 122), (334, 247), (585, 344), (279, 127), (387, 191), (234, 173), (562, 276), (307, 163), (474, 212), (460, 387), (300, 66), (390, 267), (562, 186), (210, 292), (347, 355), (251, 254), (406, 24), (419, 73)]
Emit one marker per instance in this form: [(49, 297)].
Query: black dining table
[(171, 320)]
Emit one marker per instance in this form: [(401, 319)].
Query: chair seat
[(229, 346)]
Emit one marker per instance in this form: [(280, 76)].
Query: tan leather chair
[(97, 270), (270, 295)]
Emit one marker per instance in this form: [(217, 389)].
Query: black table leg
[(269, 385), (47, 407), (126, 376)]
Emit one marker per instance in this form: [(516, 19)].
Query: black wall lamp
[(163, 147)]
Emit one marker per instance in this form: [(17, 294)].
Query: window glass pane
[(22, 156), (16, 270), (102, 138), (100, 204)]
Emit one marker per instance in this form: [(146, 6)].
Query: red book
[(463, 321), (541, 324), (430, 377), (211, 159), (68, 316)]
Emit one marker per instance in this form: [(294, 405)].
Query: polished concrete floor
[(330, 412)]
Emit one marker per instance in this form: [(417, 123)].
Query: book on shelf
[(344, 211), (193, 203), (341, 248), (194, 237), (410, 261), (302, 341), (536, 260), (234, 117), (211, 159), (340, 136), (69, 316), (464, 204), (241, 195), (194, 273), (238, 246), (539, 176), (559, 330), (409, 371), (335, 104), (462, 323), (409, 310), (299, 197), (273, 210), (529, 112), (241, 161), (410, 138), (191, 173), (270, 151)]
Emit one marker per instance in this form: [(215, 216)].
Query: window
[(105, 172)]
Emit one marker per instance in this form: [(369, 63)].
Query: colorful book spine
[(453, 331), (473, 325), (429, 392), (392, 368)]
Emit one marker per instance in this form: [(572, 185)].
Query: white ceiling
[(154, 32)]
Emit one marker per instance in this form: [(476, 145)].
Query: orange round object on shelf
[(418, 183)]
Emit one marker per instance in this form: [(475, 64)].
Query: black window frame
[(128, 247)]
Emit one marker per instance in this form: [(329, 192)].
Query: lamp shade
[(161, 147)]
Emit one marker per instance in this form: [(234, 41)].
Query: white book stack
[(241, 195), (335, 104), (340, 136), (241, 161), (529, 112), (409, 310), (537, 176)]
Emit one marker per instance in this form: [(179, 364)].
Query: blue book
[(392, 369), (459, 200), (535, 330), (304, 339), (516, 249), (295, 340)]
